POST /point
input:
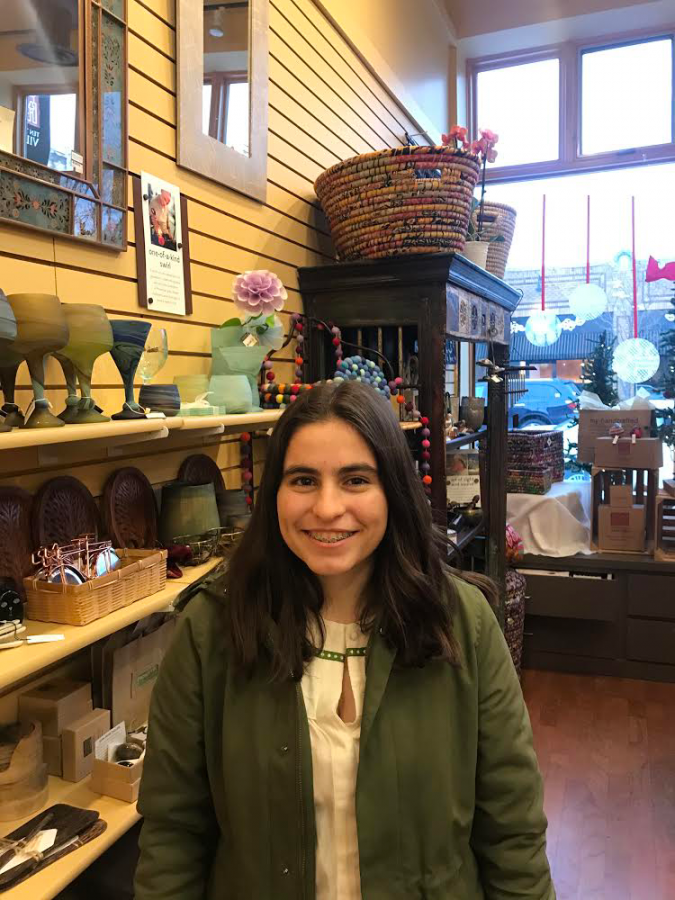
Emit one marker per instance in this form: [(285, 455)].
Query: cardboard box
[(55, 704), (52, 749), (134, 673), (121, 782), (622, 528), (645, 453), (621, 496), (78, 743), (594, 423)]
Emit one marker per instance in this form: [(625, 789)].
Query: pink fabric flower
[(259, 293)]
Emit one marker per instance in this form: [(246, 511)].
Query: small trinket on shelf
[(635, 434), (615, 431)]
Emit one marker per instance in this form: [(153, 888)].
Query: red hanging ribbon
[(543, 255), (588, 239), (635, 301)]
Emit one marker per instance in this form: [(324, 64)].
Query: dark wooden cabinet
[(605, 614), (416, 305)]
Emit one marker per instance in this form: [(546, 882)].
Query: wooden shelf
[(118, 815), (112, 435), (22, 662)]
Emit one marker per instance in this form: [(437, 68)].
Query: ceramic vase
[(230, 357), (9, 363), (41, 329), (129, 337), (472, 411), (191, 386), (90, 336), (188, 510), (163, 398), (477, 252)]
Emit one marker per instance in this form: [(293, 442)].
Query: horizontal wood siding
[(324, 106)]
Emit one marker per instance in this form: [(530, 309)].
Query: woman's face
[(331, 505)]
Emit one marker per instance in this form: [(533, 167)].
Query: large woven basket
[(405, 200), (499, 220), (143, 572)]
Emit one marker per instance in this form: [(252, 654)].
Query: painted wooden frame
[(198, 151), (92, 209), (570, 158)]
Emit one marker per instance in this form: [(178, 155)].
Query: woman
[(340, 719)]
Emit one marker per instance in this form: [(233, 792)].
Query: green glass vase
[(41, 329), (90, 337)]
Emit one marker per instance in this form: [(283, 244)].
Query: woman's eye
[(358, 481), (302, 481)]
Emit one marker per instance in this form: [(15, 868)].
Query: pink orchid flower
[(491, 155), (489, 136)]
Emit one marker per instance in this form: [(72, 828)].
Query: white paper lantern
[(636, 360), (543, 328), (588, 301)]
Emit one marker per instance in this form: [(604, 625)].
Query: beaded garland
[(353, 368), (246, 463)]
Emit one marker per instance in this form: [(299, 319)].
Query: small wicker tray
[(143, 572)]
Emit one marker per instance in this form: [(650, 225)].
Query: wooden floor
[(606, 748)]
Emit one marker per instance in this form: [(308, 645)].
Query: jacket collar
[(380, 659)]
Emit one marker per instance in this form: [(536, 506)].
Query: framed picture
[(162, 246)]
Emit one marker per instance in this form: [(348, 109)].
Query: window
[(577, 107), (519, 100), (225, 109), (48, 130), (637, 109)]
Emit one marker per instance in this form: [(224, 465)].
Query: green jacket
[(448, 796)]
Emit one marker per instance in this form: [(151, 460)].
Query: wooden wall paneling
[(344, 58), (282, 103), (152, 131), (23, 275), (151, 27), (317, 106), (158, 100), (295, 13), (163, 9), (283, 127), (22, 242), (146, 58), (293, 43)]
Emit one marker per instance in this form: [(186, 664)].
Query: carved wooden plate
[(129, 510), (63, 509), (16, 546), (200, 469)]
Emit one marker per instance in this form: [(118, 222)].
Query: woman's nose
[(329, 502)]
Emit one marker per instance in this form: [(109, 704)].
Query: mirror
[(63, 131), (222, 91), (225, 112), (40, 93)]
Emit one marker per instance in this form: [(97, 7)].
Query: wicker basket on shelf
[(398, 201), (142, 573), (514, 615), (499, 220)]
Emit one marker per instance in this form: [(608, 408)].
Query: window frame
[(570, 159), (220, 92)]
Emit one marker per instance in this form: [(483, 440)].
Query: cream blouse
[(335, 759)]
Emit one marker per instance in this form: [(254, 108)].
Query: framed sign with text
[(162, 246)]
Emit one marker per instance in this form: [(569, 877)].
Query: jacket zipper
[(300, 794)]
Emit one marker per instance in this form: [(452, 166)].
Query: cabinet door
[(651, 641), (651, 596), (565, 597)]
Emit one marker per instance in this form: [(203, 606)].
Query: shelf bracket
[(80, 451)]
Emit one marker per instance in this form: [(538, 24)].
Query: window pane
[(236, 128), (49, 129), (627, 95), (522, 103), (207, 90)]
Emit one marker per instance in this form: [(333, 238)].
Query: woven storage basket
[(143, 572), (514, 615), (498, 220), (405, 200)]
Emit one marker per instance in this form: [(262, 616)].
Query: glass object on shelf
[(225, 95), (41, 329), (521, 103), (154, 355), (9, 363), (40, 81), (627, 96), (129, 337), (90, 336)]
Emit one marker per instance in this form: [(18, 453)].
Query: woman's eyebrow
[(345, 470)]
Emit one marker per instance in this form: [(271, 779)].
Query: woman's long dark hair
[(273, 596)]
